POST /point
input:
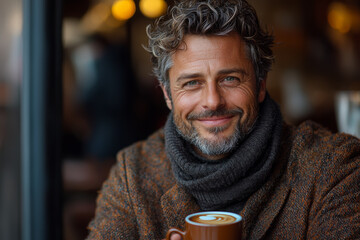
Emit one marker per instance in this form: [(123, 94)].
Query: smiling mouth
[(217, 121)]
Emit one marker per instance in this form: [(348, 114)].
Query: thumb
[(175, 236)]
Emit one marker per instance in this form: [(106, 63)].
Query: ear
[(167, 99), (262, 90)]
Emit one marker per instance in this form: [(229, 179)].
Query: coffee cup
[(210, 226)]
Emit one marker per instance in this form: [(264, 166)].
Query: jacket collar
[(262, 207)]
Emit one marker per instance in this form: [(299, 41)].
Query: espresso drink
[(213, 218), (210, 226)]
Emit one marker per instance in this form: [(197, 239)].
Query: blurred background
[(110, 99)]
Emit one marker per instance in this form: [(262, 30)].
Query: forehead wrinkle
[(195, 66)]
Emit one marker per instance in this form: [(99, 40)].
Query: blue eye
[(229, 79), (191, 83)]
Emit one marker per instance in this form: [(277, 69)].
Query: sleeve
[(336, 213), (114, 215)]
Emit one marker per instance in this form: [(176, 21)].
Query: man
[(225, 145)]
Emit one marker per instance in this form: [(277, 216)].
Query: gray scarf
[(227, 183)]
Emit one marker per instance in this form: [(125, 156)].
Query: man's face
[(214, 98)]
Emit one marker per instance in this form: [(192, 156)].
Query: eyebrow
[(233, 70), (186, 76)]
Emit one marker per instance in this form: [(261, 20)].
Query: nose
[(212, 97)]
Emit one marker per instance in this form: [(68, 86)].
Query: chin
[(217, 138)]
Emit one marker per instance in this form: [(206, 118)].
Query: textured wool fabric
[(313, 191), (227, 183)]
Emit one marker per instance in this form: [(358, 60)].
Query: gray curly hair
[(208, 17)]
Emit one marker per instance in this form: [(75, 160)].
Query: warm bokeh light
[(95, 17), (123, 9), (153, 8), (339, 17)]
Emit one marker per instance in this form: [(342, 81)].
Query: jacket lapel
[(264, 205), (176, 204)]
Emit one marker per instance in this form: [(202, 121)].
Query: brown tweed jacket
[(313, 192)]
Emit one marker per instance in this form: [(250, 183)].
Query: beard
[(219, 145)]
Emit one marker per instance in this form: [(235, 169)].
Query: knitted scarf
[(227, 183)]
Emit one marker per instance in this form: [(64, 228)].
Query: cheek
[(185, 103), (241, 97)]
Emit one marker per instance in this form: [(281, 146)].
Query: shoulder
[(317, 151), (310, 137), (152, 148), (145, 153), (145, 161)]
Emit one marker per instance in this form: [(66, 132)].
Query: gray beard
[(218, 147), (213, 148)]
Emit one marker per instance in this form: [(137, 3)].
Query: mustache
[(215, 113)]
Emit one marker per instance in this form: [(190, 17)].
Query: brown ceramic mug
[(210, 226)]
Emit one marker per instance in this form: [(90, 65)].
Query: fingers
[(175, 236)]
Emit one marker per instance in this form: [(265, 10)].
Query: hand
[(175, 236)]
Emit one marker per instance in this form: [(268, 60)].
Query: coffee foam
[(213, 218)]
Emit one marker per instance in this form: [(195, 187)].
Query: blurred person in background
[(225, 145), (99, 89), (106, 86)]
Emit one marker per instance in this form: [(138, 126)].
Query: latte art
[(213, 219)]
